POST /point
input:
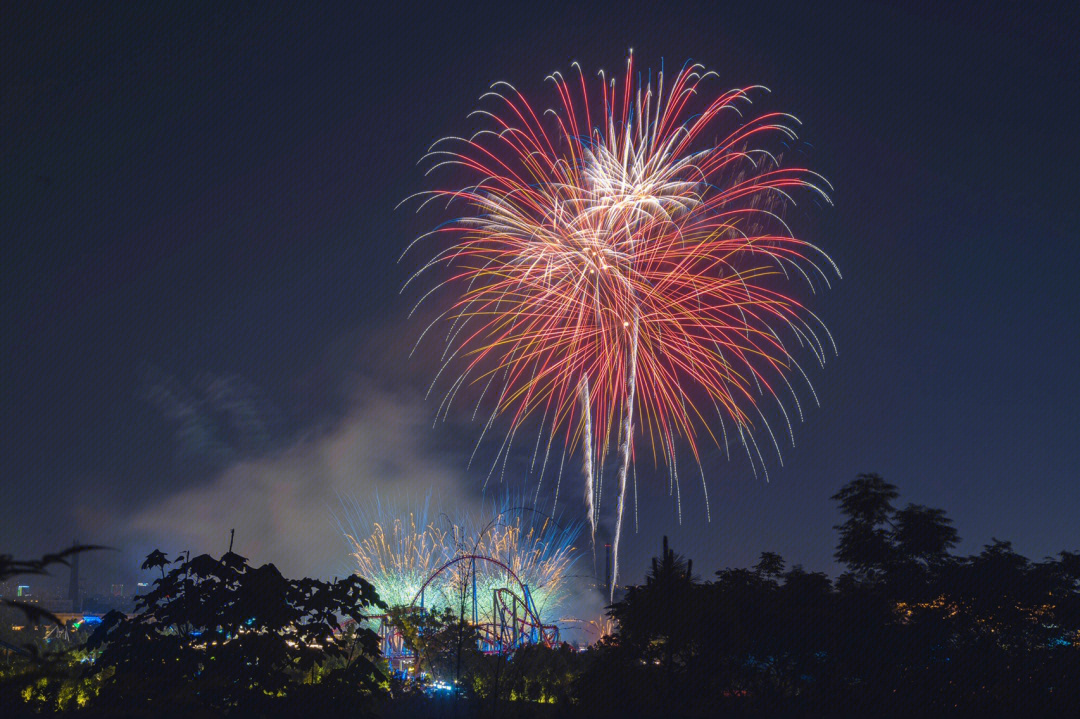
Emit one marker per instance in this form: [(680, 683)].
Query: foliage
[(220, 636), (909, 629), (37, 673), (11, 568), (445, 646), (52, 682)]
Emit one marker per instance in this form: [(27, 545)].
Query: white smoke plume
[(281, 504)]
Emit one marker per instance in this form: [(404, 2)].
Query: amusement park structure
[(502, 571), (512, 619)]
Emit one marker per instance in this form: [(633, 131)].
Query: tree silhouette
[(910, 629), (437, 639), (770, 565), (865, 544), (156, 559), (221, 636), (11, 568), (654, 618), (924, 534)]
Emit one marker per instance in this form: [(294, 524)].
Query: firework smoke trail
[(626, 452), (590, 509), (632, 204)]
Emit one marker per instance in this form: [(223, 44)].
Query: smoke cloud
[(282, 504)]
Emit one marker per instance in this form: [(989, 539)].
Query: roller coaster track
[(514, 620)]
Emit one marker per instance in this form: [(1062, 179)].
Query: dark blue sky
[(200, 250)]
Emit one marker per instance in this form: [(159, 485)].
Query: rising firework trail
[(630, 240), (590, 492), (626, 435)]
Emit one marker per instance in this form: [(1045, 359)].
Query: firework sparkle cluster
[(401, 550), (619, 268)]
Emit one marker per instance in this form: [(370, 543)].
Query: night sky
[(201, 311)]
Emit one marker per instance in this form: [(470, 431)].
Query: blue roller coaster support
[(474, 618), (530, 608)]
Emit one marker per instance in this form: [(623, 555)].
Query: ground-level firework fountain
[(505, 570)]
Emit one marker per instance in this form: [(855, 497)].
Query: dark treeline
[(909, 629)]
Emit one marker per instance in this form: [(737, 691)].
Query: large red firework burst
[(626, 252)]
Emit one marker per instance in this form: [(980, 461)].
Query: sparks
[(622, 264)]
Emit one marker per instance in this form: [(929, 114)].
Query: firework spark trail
[(590, 510), (403, 545), (633, 205), (627, 442)]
